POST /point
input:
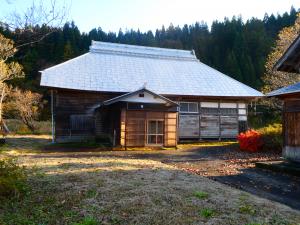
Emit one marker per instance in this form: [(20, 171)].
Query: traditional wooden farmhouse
[(290, 62), (142, 96)]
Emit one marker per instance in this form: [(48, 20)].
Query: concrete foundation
[(291, 153)]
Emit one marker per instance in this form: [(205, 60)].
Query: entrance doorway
[(155, 132)]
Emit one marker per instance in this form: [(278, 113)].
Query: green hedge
[(272, 136)]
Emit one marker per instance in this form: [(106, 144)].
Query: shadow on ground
[(263, 183), (27, 142), (206, 161)]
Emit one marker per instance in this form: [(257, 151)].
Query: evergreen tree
[(68, 51), (232, 67), (237, 48)]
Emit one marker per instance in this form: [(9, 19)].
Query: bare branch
[(38, 14), (35, 41)]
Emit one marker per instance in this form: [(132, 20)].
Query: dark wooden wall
[(76, 108), (291, 122)]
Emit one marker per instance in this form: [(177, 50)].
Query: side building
[(290, 95)]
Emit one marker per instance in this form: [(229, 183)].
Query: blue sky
[(151, 14)]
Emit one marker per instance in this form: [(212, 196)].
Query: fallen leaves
[(227, 163)]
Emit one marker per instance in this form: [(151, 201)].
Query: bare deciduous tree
[(276, 79), (8, 71), (50, 16), (28, 105)]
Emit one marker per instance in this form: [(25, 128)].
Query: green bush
[(12, 178), (272, 136)]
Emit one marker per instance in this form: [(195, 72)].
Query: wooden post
[(52, 117), (123, 128), (177, 125), (237, 116), (199, 114), (145, 128), (219, 112)]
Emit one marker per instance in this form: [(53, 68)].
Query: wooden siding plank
[(189, 126), (210, 126), (229, 126)]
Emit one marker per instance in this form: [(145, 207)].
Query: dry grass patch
[(189, 145), (78, 188), (19, 144)]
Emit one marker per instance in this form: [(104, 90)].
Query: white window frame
[(155, 134), (189, 107)]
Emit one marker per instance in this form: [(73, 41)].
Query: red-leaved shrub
[(250, 141)]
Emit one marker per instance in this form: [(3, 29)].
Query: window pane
[(152, 127), (210, 110), (228, 111), (159, 139), (193, 107), (151, 139), (160, 127), (184, 107), (242, 111)]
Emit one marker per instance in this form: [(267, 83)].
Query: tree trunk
[(2, 125), (1, 103)]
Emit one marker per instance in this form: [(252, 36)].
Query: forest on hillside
[(235, 47)]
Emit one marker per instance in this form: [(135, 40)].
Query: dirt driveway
[(222, 162), (126, 188), (228, 165)]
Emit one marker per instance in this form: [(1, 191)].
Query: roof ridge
[(137, 46), (154, 56), (135, 50)]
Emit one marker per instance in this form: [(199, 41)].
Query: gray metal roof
[(111, 67), (285, 90)]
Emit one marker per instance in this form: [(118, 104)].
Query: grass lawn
[(90, 188)]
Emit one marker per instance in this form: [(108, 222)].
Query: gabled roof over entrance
[(141, 96), (120, 68)]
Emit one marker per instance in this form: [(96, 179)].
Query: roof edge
[(119, 98), (286, 54), (279, 92)]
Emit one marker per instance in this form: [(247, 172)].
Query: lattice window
[(82, 122), (155, 132), (228, 111), (210, 111), (188, 107)]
